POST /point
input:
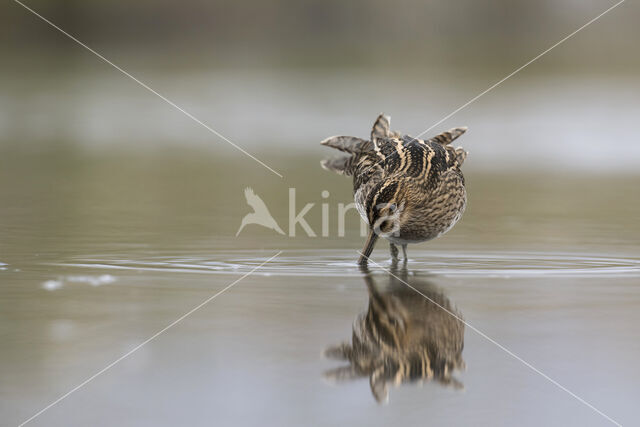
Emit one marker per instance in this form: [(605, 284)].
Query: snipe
[(408, 190)]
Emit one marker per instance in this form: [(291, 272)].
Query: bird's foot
[(404, 252)]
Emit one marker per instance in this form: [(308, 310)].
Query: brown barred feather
[(349, 144), (449, 136), (381, 127), (408, 190), (342, 165)]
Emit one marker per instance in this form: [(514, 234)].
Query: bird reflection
[(402, 337)]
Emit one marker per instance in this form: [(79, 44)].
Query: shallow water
[(100, 252)]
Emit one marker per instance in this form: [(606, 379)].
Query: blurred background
[(289, 73), (554, 154)]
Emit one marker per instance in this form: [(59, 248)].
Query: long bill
[(368, 247)]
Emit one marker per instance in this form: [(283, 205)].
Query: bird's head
[(386, 209), (385, 218)]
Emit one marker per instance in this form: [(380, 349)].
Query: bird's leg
[(404, 252), (368, 247), (394, 251)]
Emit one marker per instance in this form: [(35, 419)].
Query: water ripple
[(343, 263)]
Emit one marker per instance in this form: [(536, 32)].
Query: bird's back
[(418, 161), (404, 165)]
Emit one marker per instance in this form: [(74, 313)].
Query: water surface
[(98, 252)]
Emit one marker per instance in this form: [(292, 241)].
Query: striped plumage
[(402, 337), (408, 190)]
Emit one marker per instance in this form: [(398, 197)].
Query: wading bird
[(406, 189)]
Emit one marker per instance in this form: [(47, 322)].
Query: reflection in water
[(402, 337)]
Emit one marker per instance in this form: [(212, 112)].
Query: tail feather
[(381, 127), (342, 165), (461, 155), (348, 144), (446, 138)]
